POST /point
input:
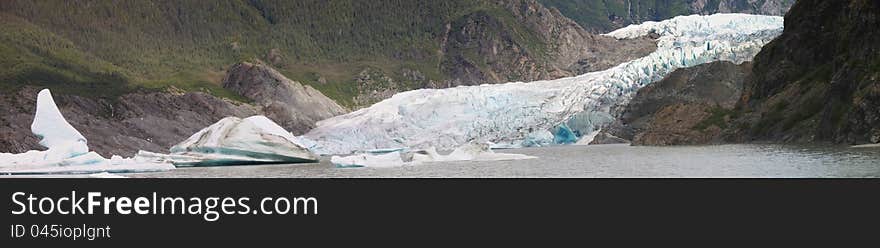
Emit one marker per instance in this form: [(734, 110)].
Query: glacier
[(466, 152), (67, 149), (565, 110), (236, 141)]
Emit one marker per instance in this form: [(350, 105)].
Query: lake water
[(602, 161)]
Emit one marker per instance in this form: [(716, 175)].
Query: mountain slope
[(820, 80), (690, 106), (331, 45)]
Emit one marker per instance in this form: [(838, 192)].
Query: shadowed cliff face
[(819, 80)]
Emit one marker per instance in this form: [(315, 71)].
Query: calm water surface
[(601, 161)]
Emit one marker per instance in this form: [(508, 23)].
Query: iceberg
[(105, 175), (542, 112), (466, 152), (236, 141), (67, 150), (392, 159)]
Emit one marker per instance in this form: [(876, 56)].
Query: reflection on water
[(603, 161)]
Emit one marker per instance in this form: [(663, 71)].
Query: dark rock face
[(819, 80), (139, 121), (294, 106), (690, 106)]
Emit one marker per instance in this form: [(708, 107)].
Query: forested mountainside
[(356, 52)]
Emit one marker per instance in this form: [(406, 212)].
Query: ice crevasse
[(542, 112), (67, 150)]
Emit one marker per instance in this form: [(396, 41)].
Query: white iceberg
[(236, 141), (509, 114), (67, 150), (391, 159), (467, 152), (105, 175)]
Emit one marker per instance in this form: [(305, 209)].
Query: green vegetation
[(771, 118), (118, 46), (719, 118), (809, 108)]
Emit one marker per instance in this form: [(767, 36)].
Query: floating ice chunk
[(67, 151), (105, 175), (387, 150), (467, 152), (525, 113), (252, 140), (866, 146), (391, 159)]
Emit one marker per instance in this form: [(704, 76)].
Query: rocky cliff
[(478, 48), (820, 80), (294, 106), (690, 106)]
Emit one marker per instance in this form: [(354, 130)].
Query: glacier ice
[(466, 152), (523, 114), (232, 140), (67, 150)]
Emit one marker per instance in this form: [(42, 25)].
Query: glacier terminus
[(561, 111)]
